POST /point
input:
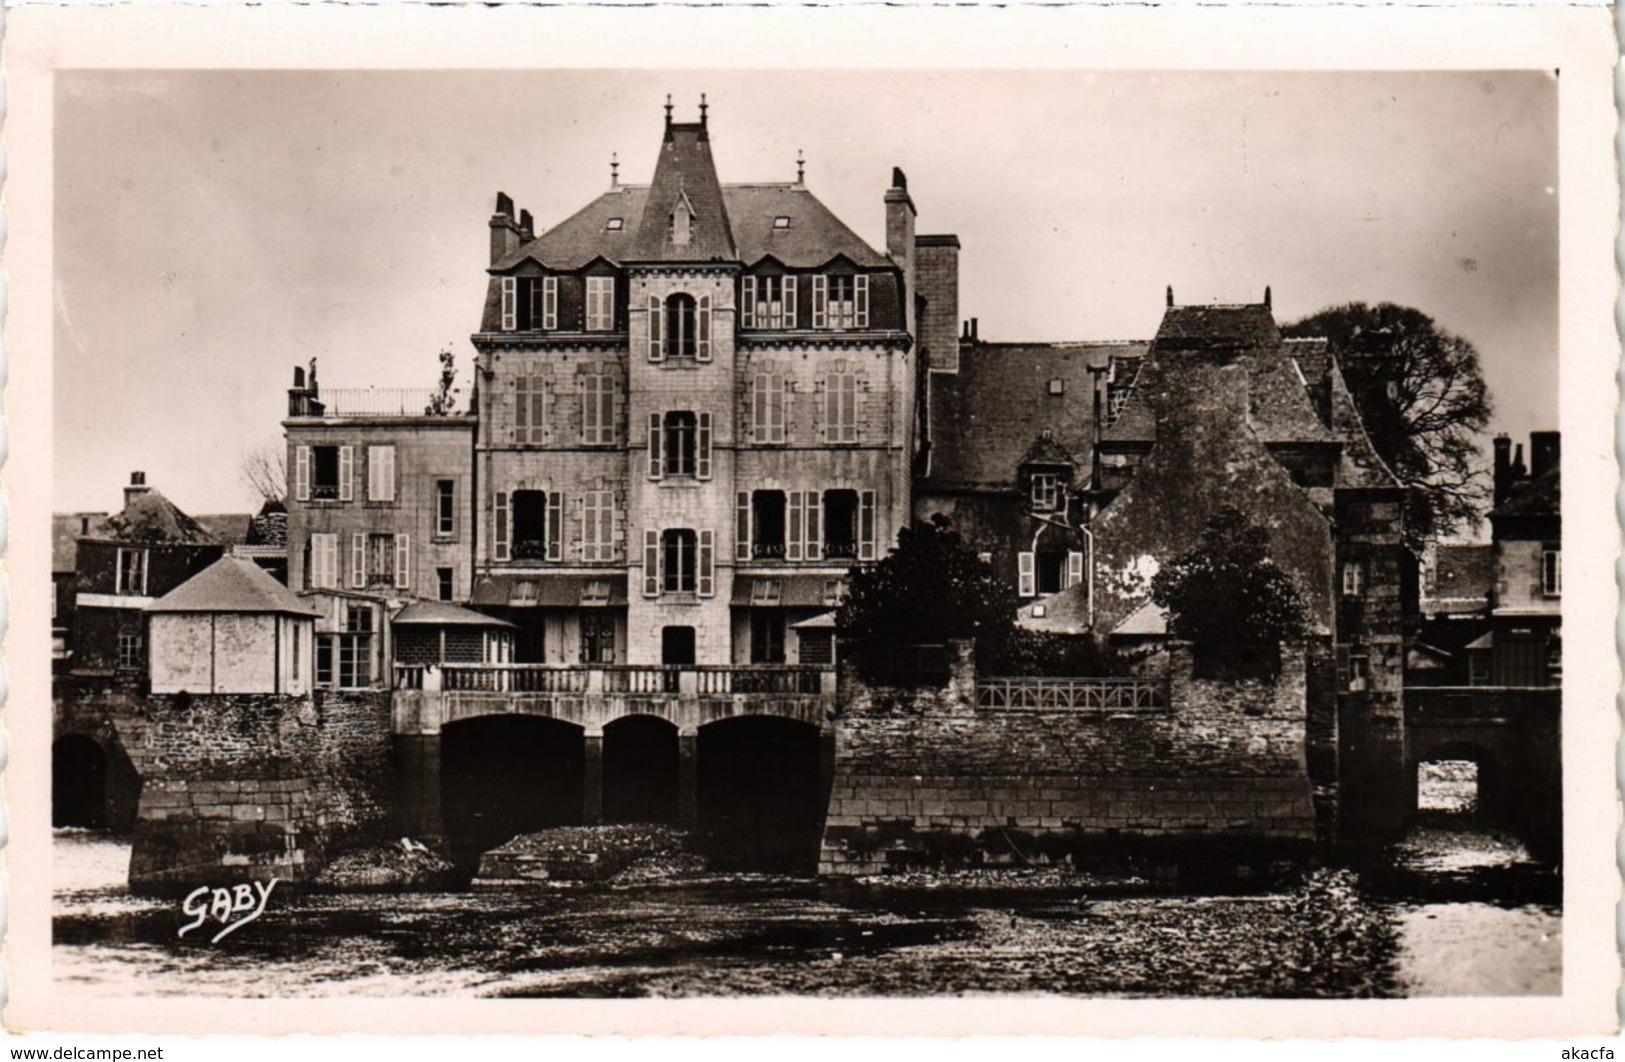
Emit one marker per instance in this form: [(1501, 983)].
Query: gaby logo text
[(232, 907)]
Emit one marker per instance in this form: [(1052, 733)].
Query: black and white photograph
[(848, 533)]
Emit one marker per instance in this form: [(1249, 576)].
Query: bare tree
[(265, 469)]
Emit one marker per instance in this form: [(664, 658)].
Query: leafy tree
[(1226, 594), (1421, 393), (930, 588), (444, 401)]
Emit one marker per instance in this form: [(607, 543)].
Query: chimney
[(1519, 470), (1170, 296), (527, 226), (936, 268), (1266, 296), (1503, 468), (1544, 452), (504, 230), (900, 240), (302, 395), (138, 486)]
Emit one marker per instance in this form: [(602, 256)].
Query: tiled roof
[(232, 584), (153, 518), (65, 531), (685, 179), (443, 614), (813, 237), (1046, 451), (1539, 497), (796, 591), (1279, 409), (985, 417), (548, 591)]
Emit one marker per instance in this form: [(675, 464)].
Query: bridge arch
[(79, 770), (641, 769), (1455, 776), (505, 775), (763, 789)]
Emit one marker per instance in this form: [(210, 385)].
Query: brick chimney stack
[(900, 239), (1503, 469), (138, 487), (504, 229), (1544, 452)]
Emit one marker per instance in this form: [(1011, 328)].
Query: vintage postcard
[(811, 521)]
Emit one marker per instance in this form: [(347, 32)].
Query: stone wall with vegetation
[(928, 777)]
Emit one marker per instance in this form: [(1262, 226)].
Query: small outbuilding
[(437, 632), (232, 628)]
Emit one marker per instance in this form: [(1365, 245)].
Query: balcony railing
[(378, 401), (633, 679), (840, 550), (1071, 694), (767, 550)]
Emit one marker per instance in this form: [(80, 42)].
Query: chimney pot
[(1544, 452), (138, 479), (1170, 296), (1266, 296), (298, 378), (899, 180)]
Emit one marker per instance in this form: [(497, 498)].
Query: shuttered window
[(381, 473), (1026, 573), (1074, 568), (767, 408), (501, 544), (707, 562), (598, 526), (346, 473), (656, 323), (841, 301), (403, 562), (598, 409), (651, 563), (324, 561), (600, 304), (530, 410), (301, 473), (841, 407), (510, 304)]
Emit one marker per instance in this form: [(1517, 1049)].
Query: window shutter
[(742, 526), (654, 445), (776, 409), (832, 408), (792, 546), (1074, 568), (1026, 573), (521, 410), (861, 287), (748, 297), (538, 410), (702, 329), (301, 473), (555, 525), (703, 448), (656, 351), (328, 549), (866, 525), (358, 560), (346, 473), (820, 301), (510, 303), (789, 301), (651, 563), (550, 303), (707, 565), (849, 407), (758, 408), (389, 473), (589, 409), (815, 526), (499, 526), (403, 562)]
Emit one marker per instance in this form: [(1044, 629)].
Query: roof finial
[(614, 169), (1170, 296), (668, 110), (801, 167), (703, 106)]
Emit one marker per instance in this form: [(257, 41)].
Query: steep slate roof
[(815, 235), (986, 417), (685, 178), (65, 532), (1279, 409), (232, 584), (443, 614), (1462, 579), (228, 529), (1540, 497), (152, 518)]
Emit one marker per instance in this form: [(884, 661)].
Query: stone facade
[(926, 777)]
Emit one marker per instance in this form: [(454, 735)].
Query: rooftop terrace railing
[(377, 401)]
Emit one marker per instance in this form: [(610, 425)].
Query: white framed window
[(445, 583), (680, 445), (129, 650), (687, 328), (324, 561), (445, 508), (324, 473), (530, 410), (768, 408), (530, 303), (841, 407), (1046, 491), (679, 561), (841, 300), (130, 572), (600, 304), (380, 560), (381, 473), (1027, 573), (1354, 578), (598, 526), (598, 409), (1074, 567), (768, 302), (1551, 572)]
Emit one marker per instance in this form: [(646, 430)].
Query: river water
[(749, 934)]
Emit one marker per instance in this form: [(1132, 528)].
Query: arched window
[(680, 327)]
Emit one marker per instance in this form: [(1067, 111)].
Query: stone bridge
[(1513, 734)]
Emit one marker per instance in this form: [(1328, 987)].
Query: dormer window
[(530, 303), (615, 224), (768, 302), (1046, 492), (841, 301), (781, 222)]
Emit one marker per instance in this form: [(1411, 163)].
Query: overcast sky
[(213, 229)]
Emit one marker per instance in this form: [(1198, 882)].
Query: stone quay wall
[(253, 786), (932, 779)]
